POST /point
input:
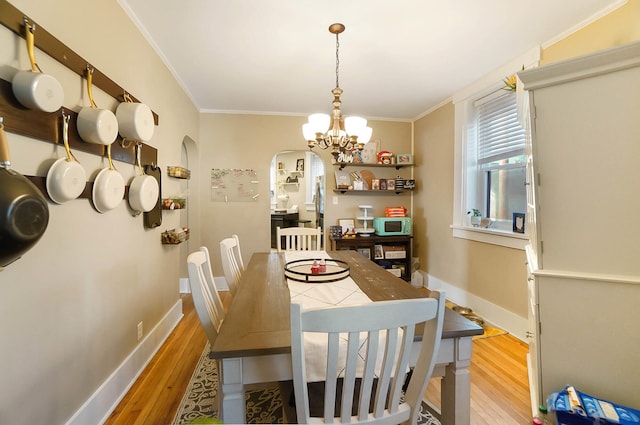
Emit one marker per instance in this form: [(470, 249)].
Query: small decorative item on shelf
[(348, 226), (173, 237), (409, 184), (366, 219), (386, 157), (336, 231), (178, 172), (175, 203), (391, 184), (404, 159)]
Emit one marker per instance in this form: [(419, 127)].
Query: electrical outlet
[(335, 200), (140, 331)]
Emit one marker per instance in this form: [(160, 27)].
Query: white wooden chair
[(206, 299), (299, 239), (230, 263), (349, 322)]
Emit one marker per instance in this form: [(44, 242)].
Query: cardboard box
[(394, 252), (395, 272), (572, 407)]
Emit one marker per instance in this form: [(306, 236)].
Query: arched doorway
[(189, 216)]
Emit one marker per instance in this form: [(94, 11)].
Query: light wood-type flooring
[(499, 382)]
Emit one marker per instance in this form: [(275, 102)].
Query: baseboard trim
[(492, 313), (98, 407), (184, 285), (221, 283)]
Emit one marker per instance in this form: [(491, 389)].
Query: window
[(501, 160), (490, 156)]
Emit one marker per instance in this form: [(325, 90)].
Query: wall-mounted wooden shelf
[(341, 165), (372, 192)]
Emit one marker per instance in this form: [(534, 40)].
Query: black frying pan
[(24, 213)]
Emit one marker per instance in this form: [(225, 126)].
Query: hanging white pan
[(108, 187), (135, 120), (144, 189), (33, 88), (66, 178), (98, 126)]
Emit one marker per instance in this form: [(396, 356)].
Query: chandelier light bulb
[(354, 125), (365, 136), (319, 123), (307, 132)]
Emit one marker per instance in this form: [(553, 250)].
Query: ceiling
[(397, 59)]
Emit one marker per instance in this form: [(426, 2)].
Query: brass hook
[(126, 144)]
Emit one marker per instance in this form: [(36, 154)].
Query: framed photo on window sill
[(518, 222)]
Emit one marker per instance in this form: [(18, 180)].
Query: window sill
[(504, 238)]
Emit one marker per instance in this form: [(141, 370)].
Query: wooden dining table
[(254, 341)]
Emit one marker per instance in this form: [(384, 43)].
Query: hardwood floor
[(499, 382)]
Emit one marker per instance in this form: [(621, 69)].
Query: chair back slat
[(389, 330), (238, 253), (210, 280)]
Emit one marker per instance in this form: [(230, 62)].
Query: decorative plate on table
[(301, 270)]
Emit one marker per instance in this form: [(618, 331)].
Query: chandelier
[(342, 135)]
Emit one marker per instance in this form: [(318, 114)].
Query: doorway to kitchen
[(297, 180)]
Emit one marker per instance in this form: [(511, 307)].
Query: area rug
[(263, 406)]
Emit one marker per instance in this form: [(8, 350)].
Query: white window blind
[(500, 135)]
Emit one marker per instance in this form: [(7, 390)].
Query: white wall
[(70, 307)]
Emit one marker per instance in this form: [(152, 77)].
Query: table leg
[(232, 396), (456, 385)]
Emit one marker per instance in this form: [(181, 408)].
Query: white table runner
[(316, 295)]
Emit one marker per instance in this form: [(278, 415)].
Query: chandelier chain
[(337, 60)]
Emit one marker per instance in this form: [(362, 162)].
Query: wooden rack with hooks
[(14, 20), (46, 126)]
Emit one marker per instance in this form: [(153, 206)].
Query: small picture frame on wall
[(378, 253), (518, 222), (383, 184), (375, 184), (300, 164), (404, 158)]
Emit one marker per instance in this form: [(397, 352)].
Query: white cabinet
[(584, 254)]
